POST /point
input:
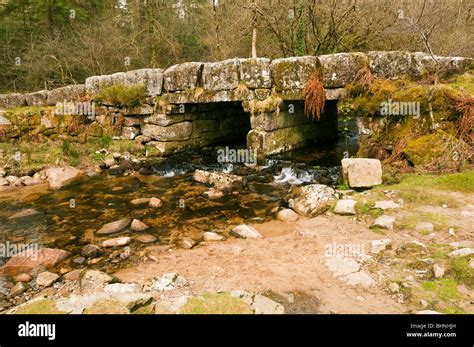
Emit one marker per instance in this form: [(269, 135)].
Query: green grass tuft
[(445, 289), (122, 96), (459, 270), (216, 303)]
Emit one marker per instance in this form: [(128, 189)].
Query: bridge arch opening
[(266, 129)]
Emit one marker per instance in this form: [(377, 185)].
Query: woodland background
[(49, 43)]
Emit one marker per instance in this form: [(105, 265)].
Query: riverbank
[(327, 264)]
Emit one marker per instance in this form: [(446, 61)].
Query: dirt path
[(283, 262)]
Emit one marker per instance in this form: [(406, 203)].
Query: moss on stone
[(216, 303), (412, 135), (28, 115), (270, 104), (41, 306), (148, 309), (422, 150)]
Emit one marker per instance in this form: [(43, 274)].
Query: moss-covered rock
[(341, 69), (39, 305), (222, 75), (422, 150), (412, 134), (94, 130), (216, 303), (292, 73), (182, 77), (255, 73)]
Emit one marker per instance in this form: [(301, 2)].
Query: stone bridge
[(197, 104)]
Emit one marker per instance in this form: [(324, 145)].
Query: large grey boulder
[(65, 94), (182, 77), (152, 79), (154, 83), (220, 180), (362, 172), (255, 73), (341, 69), (312, 199), (391, 64), (12, 100), (424, 63), (222, 75), (174, 132), (292, 73), (94, 84), (37, 98)]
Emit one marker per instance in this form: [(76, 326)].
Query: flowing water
[(68, 218)]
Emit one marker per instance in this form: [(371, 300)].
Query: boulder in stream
[(220, 180), (114, 227), (312, 199), (59, 177), (30, 260)]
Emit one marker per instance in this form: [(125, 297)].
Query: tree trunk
[(254, 31), (254, 42)]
